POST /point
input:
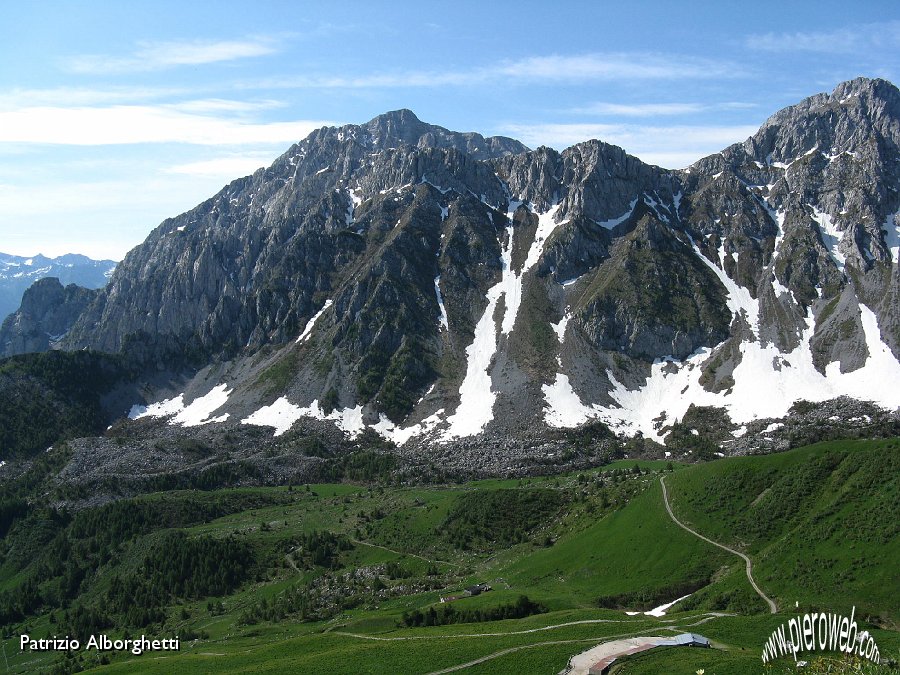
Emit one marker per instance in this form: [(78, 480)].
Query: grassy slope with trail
[(570, 543), (819, 522)]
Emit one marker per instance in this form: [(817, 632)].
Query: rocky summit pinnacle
[(437, 286)]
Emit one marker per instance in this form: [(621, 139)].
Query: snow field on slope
[(767, 381), (196, 413), (282, 414)]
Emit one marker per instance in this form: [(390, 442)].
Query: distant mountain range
[(436, 286), (18, 273)]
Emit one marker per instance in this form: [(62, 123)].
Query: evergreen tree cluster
[(51, 396), (321, 549), (448, 613), (61, 557), (499, 517)]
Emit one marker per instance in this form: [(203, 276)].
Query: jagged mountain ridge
[(437, 283)]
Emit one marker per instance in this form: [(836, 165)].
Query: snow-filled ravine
[(476, 404), (312, 322)]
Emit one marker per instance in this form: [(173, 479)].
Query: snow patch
[(312, 322), (662, 609), (739, 301), (831, 237), (610, 224), (201, 408), (760, 390), (560, 328), (891, 229), (440, 189), (513, 287), (564, 407), (655, 205), (779, 288), (440, 300), (165, 408), (196, 413), (281, 415)]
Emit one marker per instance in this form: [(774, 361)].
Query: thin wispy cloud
[(152, 56), (603, 109), (118, 125), (222, 105), (553, 69), (19, 98), (669, 146), (858, 38), (615, 66), (639, 109)]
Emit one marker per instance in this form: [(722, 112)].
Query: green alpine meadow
[(484, 576)]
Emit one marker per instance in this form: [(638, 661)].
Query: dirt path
[(390, 550), (471, 635), (701, 618), (748, 563)]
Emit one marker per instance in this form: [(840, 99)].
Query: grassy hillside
[(348, 578), (820, 522)]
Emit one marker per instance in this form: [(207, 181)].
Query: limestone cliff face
[(373, 265)]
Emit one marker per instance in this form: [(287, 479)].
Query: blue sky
[(114, 116)]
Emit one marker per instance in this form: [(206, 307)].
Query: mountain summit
[(436, 286)]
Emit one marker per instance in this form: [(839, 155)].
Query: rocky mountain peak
[(402, 127), (400, 274)]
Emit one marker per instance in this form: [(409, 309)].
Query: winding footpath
[(749, 564)]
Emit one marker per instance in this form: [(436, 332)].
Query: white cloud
[(152, 56), (226, 168), (102, 218), (857, 38), (668, 146), (126, 124)]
